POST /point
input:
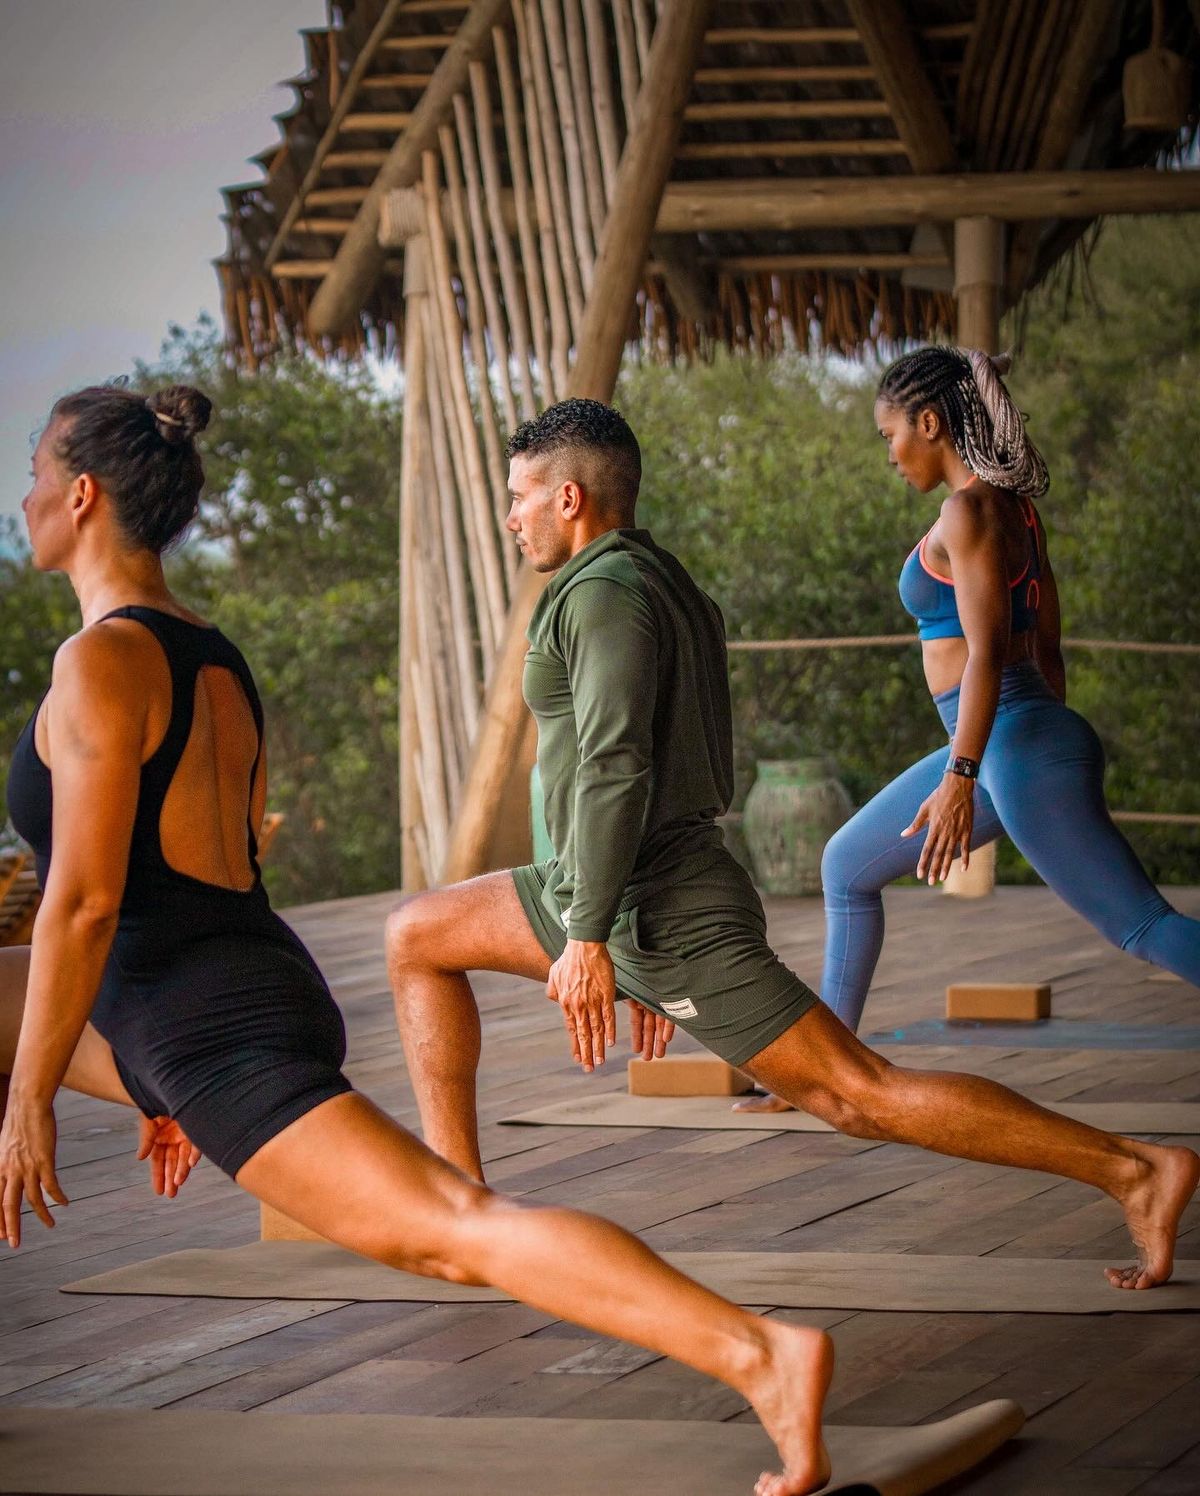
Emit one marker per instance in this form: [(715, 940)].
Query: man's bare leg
[(433, 940), (821, 1067)]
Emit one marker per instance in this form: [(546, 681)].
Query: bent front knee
[(410, 934)]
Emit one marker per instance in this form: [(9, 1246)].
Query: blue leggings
[(1041, 781)]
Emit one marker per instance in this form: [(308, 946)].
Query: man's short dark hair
[(586, 426)]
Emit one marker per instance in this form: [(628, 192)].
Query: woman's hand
[(27, 1146), (171, 1152), (950, 815)]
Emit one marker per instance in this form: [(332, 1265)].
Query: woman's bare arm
[(96, 729)]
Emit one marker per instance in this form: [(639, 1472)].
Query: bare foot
[(1167, 1180), (767, 1103), (788, 1400)]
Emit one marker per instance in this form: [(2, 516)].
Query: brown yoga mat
[(616, 1109), (95, 1452), (793, 1280)]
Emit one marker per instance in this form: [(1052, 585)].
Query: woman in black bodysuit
[(159, 977)]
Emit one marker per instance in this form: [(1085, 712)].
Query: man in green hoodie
[(626, 678)]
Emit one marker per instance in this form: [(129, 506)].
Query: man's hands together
[(584, 985)]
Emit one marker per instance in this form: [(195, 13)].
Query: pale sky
[(120, 121)]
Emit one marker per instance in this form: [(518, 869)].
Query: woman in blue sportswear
[(981, 589)]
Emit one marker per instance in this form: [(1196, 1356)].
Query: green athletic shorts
[(696, 952)]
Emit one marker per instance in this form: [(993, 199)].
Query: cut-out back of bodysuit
[(202, 825)]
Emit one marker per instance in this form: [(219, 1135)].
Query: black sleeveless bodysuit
[(217, 1015)]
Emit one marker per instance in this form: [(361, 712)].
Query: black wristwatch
[(965, 768)]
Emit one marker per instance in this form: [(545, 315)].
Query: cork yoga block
[(275, 1226), (1009, 1002), (686, 1075)]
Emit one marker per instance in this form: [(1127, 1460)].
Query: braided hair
[(965, 388)]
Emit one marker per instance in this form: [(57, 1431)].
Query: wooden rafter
[(889, 40), (1092, 32)]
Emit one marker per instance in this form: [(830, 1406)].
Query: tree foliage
[(769, 481)]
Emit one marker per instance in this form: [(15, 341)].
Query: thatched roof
[(785, 89)]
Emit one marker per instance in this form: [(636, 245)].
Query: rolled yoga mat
[(617, 1109), (94, 1452), (792, 1280)]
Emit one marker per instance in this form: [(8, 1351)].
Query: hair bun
[(180, 412), (1001, 362)]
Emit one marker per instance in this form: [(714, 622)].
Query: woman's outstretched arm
[(96, 722)]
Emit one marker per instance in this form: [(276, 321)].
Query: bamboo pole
[(569, 136), (556, 286), (497, 322), (527, 234), (645, 165), (628, 68), (452, 472), (475, 491), (468, 247), (582, 90), (643, 29), (514, 295), (449, 520), (360, 258), (414, 482), (552, 152), (602, 94)]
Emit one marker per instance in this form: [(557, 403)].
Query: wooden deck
[(1112, 1400)]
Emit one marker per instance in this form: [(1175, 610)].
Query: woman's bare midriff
[(946, 659)]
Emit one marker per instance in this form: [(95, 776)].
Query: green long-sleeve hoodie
[(627, 677)]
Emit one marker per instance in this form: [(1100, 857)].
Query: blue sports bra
[(930, 598)]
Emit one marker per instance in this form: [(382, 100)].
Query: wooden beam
[(869, 202), (345, 99), (799, 36), (789, 109), (743, 150), (396, 80), (818, 73), (433, 42), (360, 259), (336, 197), (355, 160), (641, 177), (329, 227), (376, 119), (888, 38), (787, 264), (780, 36)]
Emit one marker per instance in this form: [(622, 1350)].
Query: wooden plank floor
[(1112, 1400)]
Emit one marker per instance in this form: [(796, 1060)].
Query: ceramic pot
[(793, 808)]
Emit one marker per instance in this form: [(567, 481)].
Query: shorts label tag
[(685, 1008)]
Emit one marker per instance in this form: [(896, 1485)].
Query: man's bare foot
[(788, 1399), (1166, 1182), (767, 1103)]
